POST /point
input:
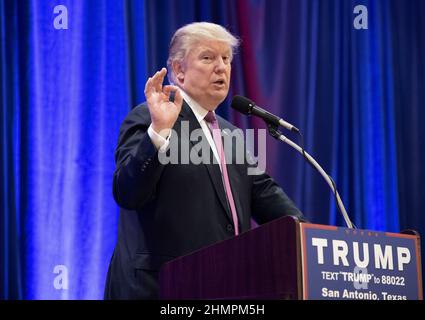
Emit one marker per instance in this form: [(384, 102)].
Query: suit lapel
[(213, 169)]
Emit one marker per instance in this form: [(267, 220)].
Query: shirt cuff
[(159, 140)]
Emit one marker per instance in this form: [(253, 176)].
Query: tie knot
[(210, 117)]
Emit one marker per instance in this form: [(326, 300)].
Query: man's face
[(205, 73)]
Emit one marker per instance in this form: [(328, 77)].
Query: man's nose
[(220, 65)]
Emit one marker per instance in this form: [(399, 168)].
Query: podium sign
[(286, 259), (341, 263)]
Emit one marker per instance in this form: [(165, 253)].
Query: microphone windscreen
[(242, 104)]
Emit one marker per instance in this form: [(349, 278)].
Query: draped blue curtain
[(64, 94), (355, 94)]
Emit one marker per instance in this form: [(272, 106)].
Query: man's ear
[(178, 71)]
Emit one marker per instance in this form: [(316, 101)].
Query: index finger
[(158, 79)]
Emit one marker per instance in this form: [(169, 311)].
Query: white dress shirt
[(161, 142)]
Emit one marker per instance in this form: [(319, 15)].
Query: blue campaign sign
[(340, 263)]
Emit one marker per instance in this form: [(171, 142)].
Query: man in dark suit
[(172, 209)]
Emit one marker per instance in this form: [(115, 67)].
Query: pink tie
[(216, 132)]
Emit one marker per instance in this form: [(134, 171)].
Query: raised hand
[(163, 112)]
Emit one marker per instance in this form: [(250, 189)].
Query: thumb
[(178, 98), (173, 93)]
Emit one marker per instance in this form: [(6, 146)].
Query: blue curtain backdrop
[(355, 94)]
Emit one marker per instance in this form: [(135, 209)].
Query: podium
[(286, 259)]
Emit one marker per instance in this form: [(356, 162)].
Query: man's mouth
[(219, 82)]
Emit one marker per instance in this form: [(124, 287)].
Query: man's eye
[(226, 59), (207, 58)]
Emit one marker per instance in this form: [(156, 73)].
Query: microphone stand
[(275, 133)]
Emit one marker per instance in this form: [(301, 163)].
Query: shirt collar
[(197, 109)]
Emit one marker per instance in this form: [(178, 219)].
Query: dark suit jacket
[(171, 210)]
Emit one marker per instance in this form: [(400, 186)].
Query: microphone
[(248, 107)]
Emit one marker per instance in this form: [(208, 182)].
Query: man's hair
[(187, 36)]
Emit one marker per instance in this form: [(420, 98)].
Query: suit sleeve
[(270, 202), (137, 169)]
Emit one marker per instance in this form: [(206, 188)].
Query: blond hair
[(187, 36)]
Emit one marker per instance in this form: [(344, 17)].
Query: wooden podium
[(278, 261)]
